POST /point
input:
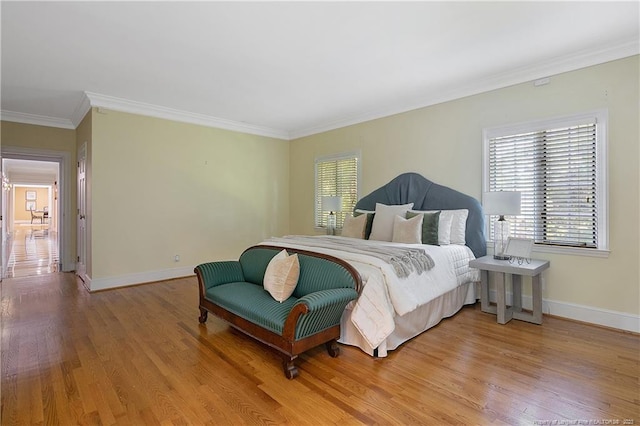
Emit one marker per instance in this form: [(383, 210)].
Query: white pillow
[(354, 227), (444, 229), (458, 225), (452, 226), (407, 230), (382, 229), (281, 276)]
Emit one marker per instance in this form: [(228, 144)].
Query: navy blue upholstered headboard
[(426, 195)]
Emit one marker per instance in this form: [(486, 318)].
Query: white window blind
[(556, 167), (336, 176)]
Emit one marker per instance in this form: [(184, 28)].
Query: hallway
[(31, 250)]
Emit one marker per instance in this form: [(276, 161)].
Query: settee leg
[(333, 348), (203, 315), (290, 370)]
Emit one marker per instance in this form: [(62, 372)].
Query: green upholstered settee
[(233, 290)]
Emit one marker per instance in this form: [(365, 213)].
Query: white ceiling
[(288, 69)]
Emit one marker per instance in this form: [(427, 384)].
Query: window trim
[(602, 177), (334, 157)]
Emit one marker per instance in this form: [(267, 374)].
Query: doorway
[(59, 160), (31, 209)]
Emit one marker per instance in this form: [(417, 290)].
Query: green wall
[(444, 143), (162, 188)]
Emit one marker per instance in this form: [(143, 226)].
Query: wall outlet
[(177, 258)]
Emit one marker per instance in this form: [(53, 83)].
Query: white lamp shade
[(332, 204), (501, 202)]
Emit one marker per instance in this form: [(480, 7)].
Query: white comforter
[(385, 295)]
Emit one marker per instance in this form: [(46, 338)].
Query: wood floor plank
[(135, 356)]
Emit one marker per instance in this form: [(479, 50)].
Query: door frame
[(81, 220), (3, 225), (65, 217)]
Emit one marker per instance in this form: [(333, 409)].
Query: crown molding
[(554, 66), (134, 107), (39, 120), (558, 65), (81, 110)]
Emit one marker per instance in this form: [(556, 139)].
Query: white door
[(82, 213)]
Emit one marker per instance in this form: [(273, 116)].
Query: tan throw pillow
[(354, 227), (281, 276), (407, 231), (382, 229)]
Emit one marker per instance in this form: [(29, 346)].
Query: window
[(558, 165), (336, 176)]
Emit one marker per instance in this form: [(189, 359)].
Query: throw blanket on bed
[(403, 260)]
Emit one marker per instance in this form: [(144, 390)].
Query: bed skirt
[(410, 325)]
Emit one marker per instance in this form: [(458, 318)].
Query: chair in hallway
[(37, 217)]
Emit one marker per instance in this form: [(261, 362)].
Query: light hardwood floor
[(138, 355), (31, 249)]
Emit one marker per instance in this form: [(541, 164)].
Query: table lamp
[(501, 203), (331, 204)]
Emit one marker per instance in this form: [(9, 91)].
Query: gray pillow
[(370, 216)]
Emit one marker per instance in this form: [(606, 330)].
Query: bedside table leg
[(536, 290), (516, 283), (484, 292), (485, 304), (504, 314)]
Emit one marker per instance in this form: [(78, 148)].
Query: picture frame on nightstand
[(519, 249)]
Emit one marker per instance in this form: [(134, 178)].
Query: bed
[(401, 299)]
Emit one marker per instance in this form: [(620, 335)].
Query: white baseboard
[(604, 317), (137, 278)]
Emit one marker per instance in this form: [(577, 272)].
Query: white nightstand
[(502, 267)]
